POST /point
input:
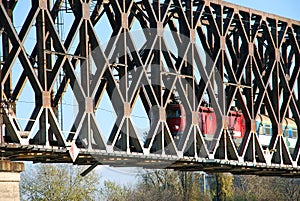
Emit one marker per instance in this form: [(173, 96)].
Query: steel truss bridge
[(192, 51)]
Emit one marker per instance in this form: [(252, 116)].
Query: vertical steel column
[(188, 31), (85, 69), (9, 5), (123, 74), (41, 98), (156, 69)]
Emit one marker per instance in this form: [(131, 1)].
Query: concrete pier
[(10, 180)]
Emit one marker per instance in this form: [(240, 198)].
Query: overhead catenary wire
[(73, 105)]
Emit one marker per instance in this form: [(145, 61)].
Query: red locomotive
[(176, 120)]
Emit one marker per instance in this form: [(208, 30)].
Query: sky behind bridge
[(286, 8)]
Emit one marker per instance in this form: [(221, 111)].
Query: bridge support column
[(10, 180)]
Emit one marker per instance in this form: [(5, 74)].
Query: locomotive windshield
[(173, 113)]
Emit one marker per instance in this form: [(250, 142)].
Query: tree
[(222, 186), (256, 188), (169, 185), (114, 192), (58, 182), (266, 188), (160, 185), (190, 184), (289, 188)]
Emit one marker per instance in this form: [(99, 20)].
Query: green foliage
[(158, 185), (244, 196), (170, 185), (58, 182), (222, 186), (114, 192), (226, 186)]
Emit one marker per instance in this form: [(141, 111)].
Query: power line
[(99, 108)]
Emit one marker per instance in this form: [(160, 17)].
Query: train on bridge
[(236, 124)]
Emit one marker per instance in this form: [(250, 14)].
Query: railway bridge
[(68, 60)]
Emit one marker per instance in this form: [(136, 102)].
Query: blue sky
[(285, 8)]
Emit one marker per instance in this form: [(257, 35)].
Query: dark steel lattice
[(252, 61)]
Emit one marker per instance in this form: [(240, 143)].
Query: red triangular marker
[(74, 151)]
